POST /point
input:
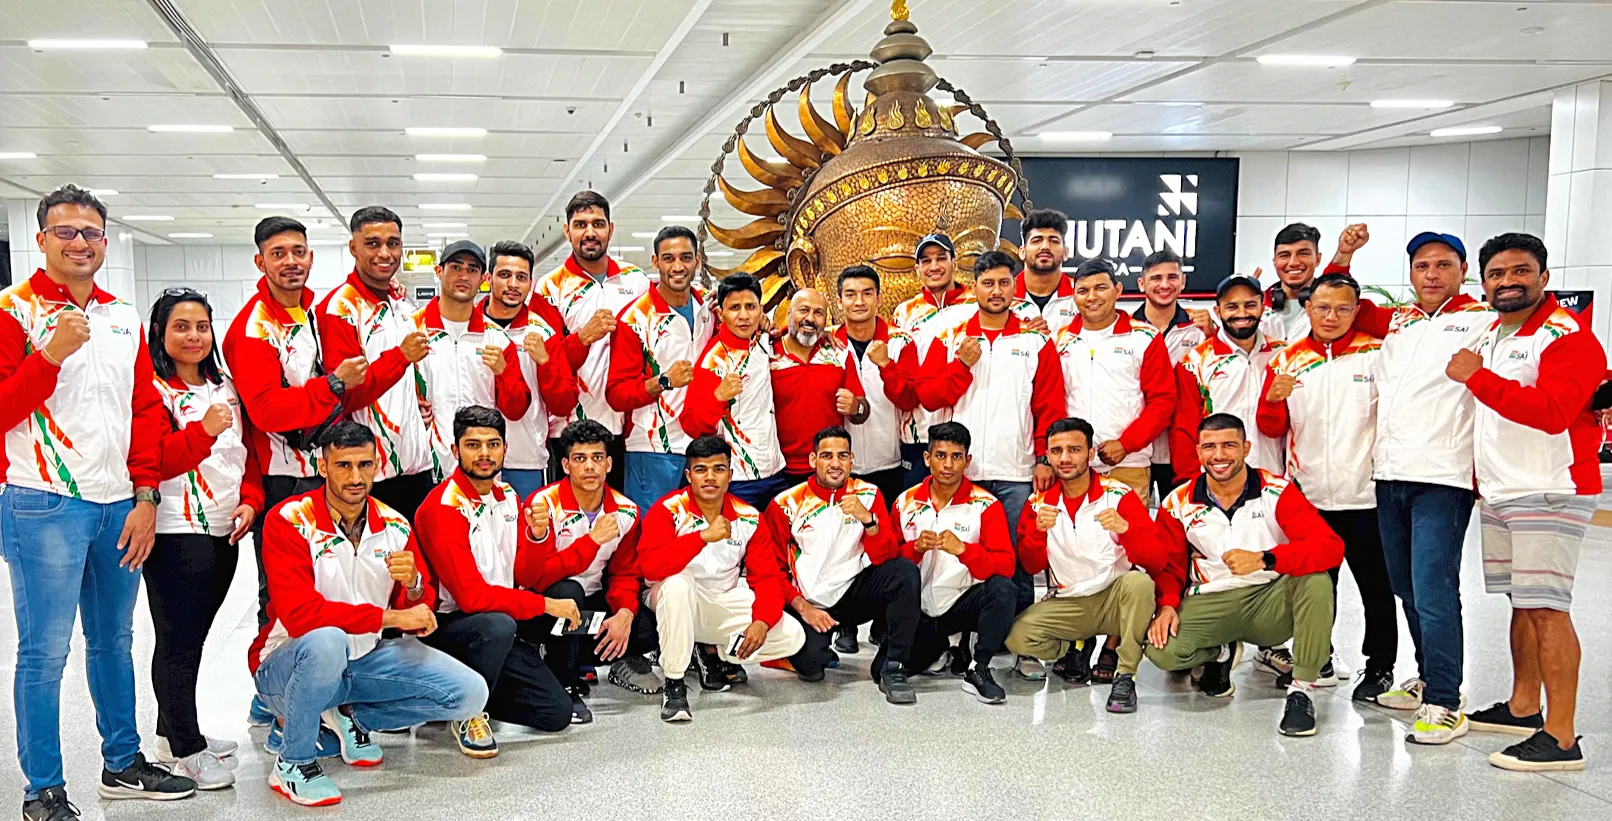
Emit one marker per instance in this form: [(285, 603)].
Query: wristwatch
[(1268, 559), (1042, 460), (665, 382), (337, 386), (870, 524), (148, 495)]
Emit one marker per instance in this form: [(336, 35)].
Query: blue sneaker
[(328, 745), (259, 714), (356, 747), (304, 784)]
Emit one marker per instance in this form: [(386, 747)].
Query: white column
[(117, 272), (25, 256), (1579, 199)]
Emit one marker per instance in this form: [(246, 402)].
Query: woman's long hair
[(157, 333)]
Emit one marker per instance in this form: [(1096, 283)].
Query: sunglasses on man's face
[(67, 233)]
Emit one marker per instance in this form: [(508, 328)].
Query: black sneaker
[(894, 684), (846, 643), (1122, 696), (145, 780), (978, 683), (50, 805), (1539, 753), (1373, 683), (961, 659), (1298, 719), (1327, 678), (1497, 718), (713, 676), (1073, 667), (674, 701), (580, 714), (1216, 679)]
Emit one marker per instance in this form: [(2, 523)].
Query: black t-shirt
[(860, 346), (1041, 301)]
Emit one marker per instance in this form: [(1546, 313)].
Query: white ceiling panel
[(1231, 119), (340, 113), (1362, 83), (392, 142), (93, 144), (111, 19), (987, 80), (1575, 30), (155, 70), (121, 112), (293, 71)]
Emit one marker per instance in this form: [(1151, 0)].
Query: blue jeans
[(63, 556), (1423, 527), (398, 684), (912, 463), (650, 476), (1013, 496), (525, 482), (760, 492)]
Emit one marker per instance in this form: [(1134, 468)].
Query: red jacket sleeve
[(272, 407), (1184, 431), (1048, 402), (556, 381), (776, 523), (625, 388), (1311, 546), (1143, 544), (252, 494), (148, 424), (532, 557), (765, 573), (575, 351), (940, 383), (1170, 578), (1371, 319), (886, 544), (26, 379), (296, 603), (701, 409), (338, 342), (1032, 540), (992, 555), (183, 450), (1158, 398), (447, 550), (624, 581), (1271, 417), (510, 391), (898, 377), (1570, 369), (661, 552), (563, 564)]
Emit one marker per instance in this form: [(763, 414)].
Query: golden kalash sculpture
[(866, 186)]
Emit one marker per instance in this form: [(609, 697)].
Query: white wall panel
[(1378, 181)]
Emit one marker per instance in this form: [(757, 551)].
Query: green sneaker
[(1407, 696), (1437, 725)]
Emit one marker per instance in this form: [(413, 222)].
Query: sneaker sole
[(1505, 729), (907, 696), (1460, 730), (1403, 706), (1506, 762), (969, 688), (1297, 733), (120, 794), (1123, 709), (634, 689), (274, 784), (471, 752), (678, 717), (210, 787)]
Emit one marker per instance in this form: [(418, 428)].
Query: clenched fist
[(401, 565), (1282, 386), (493, 358), (718, 530), (537, 520), (680, 373), (969, 352), (415, 346), (1112, 452), (599, 326), (845, 402), (352, 371), (730, 387), (1112, 522), (605, 529), (217, 419), (878, 353), (853, 507), (1046, 517), (927, 540), (72, 331), (1203, 321), (1463, 365), (1039, 325), (536, 348), (1353, 238)]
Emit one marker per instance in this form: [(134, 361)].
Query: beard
[(1512, 304), (1052, 266), (470, 470), (1244, 332), (807, 336), (595, 254)]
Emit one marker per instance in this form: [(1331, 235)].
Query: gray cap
[(464, 246)]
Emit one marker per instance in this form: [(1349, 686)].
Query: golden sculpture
[(864, 187)]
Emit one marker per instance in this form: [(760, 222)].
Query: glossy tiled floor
[(781, 749)]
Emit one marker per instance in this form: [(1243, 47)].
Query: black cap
[(1234, 281), (936, 238), (1427, 237), (464, 246)]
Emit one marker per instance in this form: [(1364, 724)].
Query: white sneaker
[(1030, 669), (940, 666), (1275, 660), (206, 770), (1437, 725), (221, 747), (1407, 696)]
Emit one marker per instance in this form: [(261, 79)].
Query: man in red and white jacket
[(888, 388), (1183, 329), (1118, 375), (343, 570), (1247, 561), (1539, 475), (714, 577), (814, 379), (1086, 532), (843, 555), (912, 325), (1042, 295), (470, 531)]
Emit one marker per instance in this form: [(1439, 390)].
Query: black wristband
[(337, 386), (1269, 560)]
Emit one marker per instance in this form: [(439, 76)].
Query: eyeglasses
[(182, 292), (67, 233)]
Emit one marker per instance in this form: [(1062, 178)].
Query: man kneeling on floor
[(469, 530), (347, 596), (695, 542), (845, 556), (1086, 531), (1252, 555), (957, 533)]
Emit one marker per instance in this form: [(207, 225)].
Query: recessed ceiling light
[(282, 206), (625, 248), (1411, 103), (103, 192), (443, 225), (425, 177), (1532, 30), (188, 235), (1076, 136), (48, 45), (190, 128), (1322, 60), (1465, 131), (445, 206), (450, 157), (444, 131), (439, 50), (147, 218), (643, 235), (679, 218), (18, 155), (246, 176), (448, 234)]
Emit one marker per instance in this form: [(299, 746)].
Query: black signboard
[(1124, 208)]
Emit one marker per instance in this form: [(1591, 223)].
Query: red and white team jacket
[(317, 578), (1219, 377), (205, 477), (1121, 380), (454, 376), (356, 321), (1006, 400), (1330, 420), (890, 394), (671, 542), (1271, 516), (91, 428), (979, 521), (1535, 432), (1179, 340), (1060, 310), (577, 296), (554, 382), (747, 422), (650, 336), (823, 547), (805, 389), (912, 326), (473, 545), (571, 552), (1082, 558)]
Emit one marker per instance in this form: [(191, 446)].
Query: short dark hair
[(70, 194), (1163, 256), (583, 200), (584, 432), (476, 416), (1223, 421), (371, 214), (705, 447), (157, 331), (1094, 266), (734, 283), (859, 272), (830, 432), (953, 432), (1298, 232), (674, 232), (346, 434), (1335, 280), (511, 248), (991, 260), (1071, 424), (1511, 242), (271, 227), (1045, 218)]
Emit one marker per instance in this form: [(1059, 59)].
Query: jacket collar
[(522, 314), (826, 494), (957, 294), (1334, 347), (732, 340), (368, 293), (1542, 312), (462, 481), (964, 491), (373, 523), (568, 498), (612, 268), (1011, 328), (1223, 345), (1180, 319), (1253, 482), (47, 289), (278, 311), (1066, 288), (1094, 490), (881, 332), (729, 511), (432, 317)]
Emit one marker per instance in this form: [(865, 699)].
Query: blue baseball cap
[(1426, 237), (1236, 281), (936, 238)]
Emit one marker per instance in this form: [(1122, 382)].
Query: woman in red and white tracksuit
[(211, 492)]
